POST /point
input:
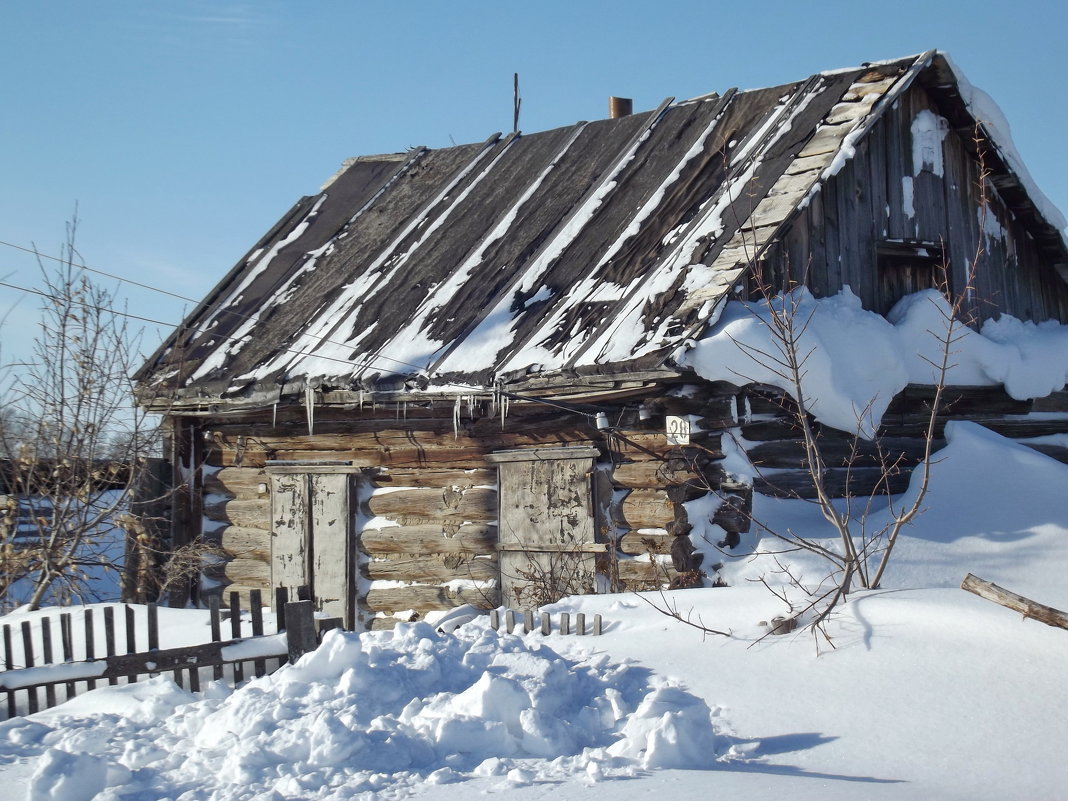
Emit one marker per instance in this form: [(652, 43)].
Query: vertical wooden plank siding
[(331, 547)]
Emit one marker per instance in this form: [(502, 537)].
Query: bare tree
[(863, 542), (74, 445)]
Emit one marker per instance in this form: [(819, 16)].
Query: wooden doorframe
[(537, 537), (313, 533)]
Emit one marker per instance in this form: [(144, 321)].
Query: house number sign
[(678, 430)]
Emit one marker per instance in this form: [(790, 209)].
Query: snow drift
[(368, 711)]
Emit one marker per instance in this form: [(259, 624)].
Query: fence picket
[(109, 637), (131, 637), (9, 665), (235, 632), (281, 598), (90, 645), (46, 649), (153, 627), (66, 635), (216, 630), (27, 660), (255, 602)]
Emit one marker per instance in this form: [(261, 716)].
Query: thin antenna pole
[(517, 101)]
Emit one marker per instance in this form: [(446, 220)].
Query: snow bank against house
[(855, 361), (994, 508), (368, 712)]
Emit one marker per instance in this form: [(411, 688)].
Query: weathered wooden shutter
[(547, 525), (313, 533)]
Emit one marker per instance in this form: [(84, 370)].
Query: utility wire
[(98, 272), (241, 315), (118, 313)]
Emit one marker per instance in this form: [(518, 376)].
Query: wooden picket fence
[(46, 672), (512, 619)]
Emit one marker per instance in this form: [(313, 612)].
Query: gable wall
[(836, 236)]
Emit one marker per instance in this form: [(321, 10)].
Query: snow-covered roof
[(597, 248)]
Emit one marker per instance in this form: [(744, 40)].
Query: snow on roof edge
[(987, 112)]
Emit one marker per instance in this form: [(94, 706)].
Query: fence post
[(300, 629)]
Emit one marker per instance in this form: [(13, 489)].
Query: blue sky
[(183, 130)]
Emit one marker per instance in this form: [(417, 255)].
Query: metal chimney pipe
[(619, 107)]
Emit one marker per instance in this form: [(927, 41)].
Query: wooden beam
[(1018, 603)]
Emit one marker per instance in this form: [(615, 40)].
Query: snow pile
[(855, 361), (1020, 545), (368, 712)]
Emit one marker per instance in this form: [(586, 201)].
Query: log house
[(450, 376)]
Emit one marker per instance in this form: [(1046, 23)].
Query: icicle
[(504, 409), (405, 410), (456, 418), (274, 415), (361, 399), (309, 406)]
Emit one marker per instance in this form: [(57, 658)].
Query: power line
[(89, 269), (241, 315), (118, 313)]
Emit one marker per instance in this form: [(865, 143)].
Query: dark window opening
[(906, 267)]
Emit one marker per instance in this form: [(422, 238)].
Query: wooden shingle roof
[(596, 248)]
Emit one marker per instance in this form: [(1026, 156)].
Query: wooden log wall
[(428, 498), (777, 450), (656, 478)]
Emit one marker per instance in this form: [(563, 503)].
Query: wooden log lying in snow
[(1025, 606)]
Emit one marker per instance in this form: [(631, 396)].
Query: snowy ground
[(928, 692)]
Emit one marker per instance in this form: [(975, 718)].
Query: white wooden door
[(312, 535)]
